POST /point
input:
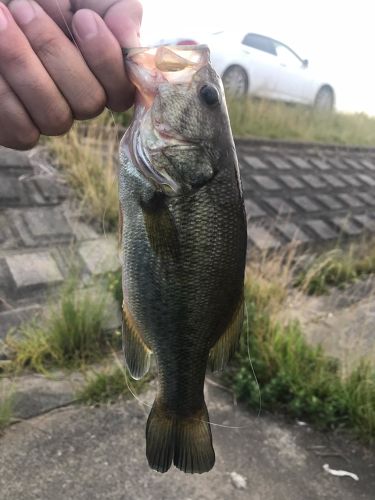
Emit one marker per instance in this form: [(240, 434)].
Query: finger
[(29, 80), (61, 58), (17, 131), (60, 11), (124, 20), (103, 55), (123, 17)]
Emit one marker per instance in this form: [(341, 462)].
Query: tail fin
[(185, 441)]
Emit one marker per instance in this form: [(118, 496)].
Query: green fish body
[(184, 246)]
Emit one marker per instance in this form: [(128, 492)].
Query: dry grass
[(276, 120), (88, 158)]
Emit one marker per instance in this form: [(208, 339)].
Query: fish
[(183, 245)]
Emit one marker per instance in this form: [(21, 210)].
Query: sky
[(337, 37)]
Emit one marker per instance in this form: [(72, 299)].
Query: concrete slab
[(100, 256), (33, 269), (87, 453)]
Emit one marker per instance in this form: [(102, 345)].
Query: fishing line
[(124, 371), (108, 110), (256, 381)]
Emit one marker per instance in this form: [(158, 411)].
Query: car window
[(259, 42), (286, 56)]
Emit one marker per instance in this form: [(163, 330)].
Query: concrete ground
[(88, 453)]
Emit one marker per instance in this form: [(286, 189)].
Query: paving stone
[(254, 162), (314, 181), (300, 162), (279, 162), (262, 238), (333, 181), (321, 164), (355, 165), (346, 226), (51, 189), (365, 221), (368, 164), (12, 158), (253, 210), (351, 180), (350, 200), (33, 270), (292, 232), (266, 182), (338, 163), (370, 181), (9, 191), (306, 203), (49, 223), (100, 256), (280, 206), (292, 182), (368, 198), (321, 229), (329, 201), (12, 319)]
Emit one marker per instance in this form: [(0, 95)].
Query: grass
[(337, 268), (114, 281), (6, 410), (296, 378), (276, 120), (109, 386), (88, 159), (69, 334)]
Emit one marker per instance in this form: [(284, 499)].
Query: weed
[(109, 386), (6, 410), (277, 120), (297, 378), (337, 268), (114, 280), (70, 333), (88, 158)]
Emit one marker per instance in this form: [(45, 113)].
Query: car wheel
[(325, 99), (235, 81)]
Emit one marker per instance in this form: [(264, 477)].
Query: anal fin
[(137, 354), (227, 344)]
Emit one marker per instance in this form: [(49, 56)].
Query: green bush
[(69, 334), (109, 386), (299, 379)]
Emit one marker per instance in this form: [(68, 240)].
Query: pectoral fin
[(227, 344), (161, 230), (137, 354)]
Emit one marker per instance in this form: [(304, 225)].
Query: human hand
[(45, 83)]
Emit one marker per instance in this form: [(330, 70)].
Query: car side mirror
[(305, 63)]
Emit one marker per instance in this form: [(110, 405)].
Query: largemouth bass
[(184, 245)]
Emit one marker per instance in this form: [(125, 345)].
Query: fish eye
[(209, 95)]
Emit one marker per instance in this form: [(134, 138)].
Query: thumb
[(124, 20)]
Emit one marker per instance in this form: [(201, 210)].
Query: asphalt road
[(88, 453)]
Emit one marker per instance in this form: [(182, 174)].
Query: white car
[(263, 67)]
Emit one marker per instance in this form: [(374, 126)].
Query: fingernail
[(85, 25), (23, 11), (3, 20)]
